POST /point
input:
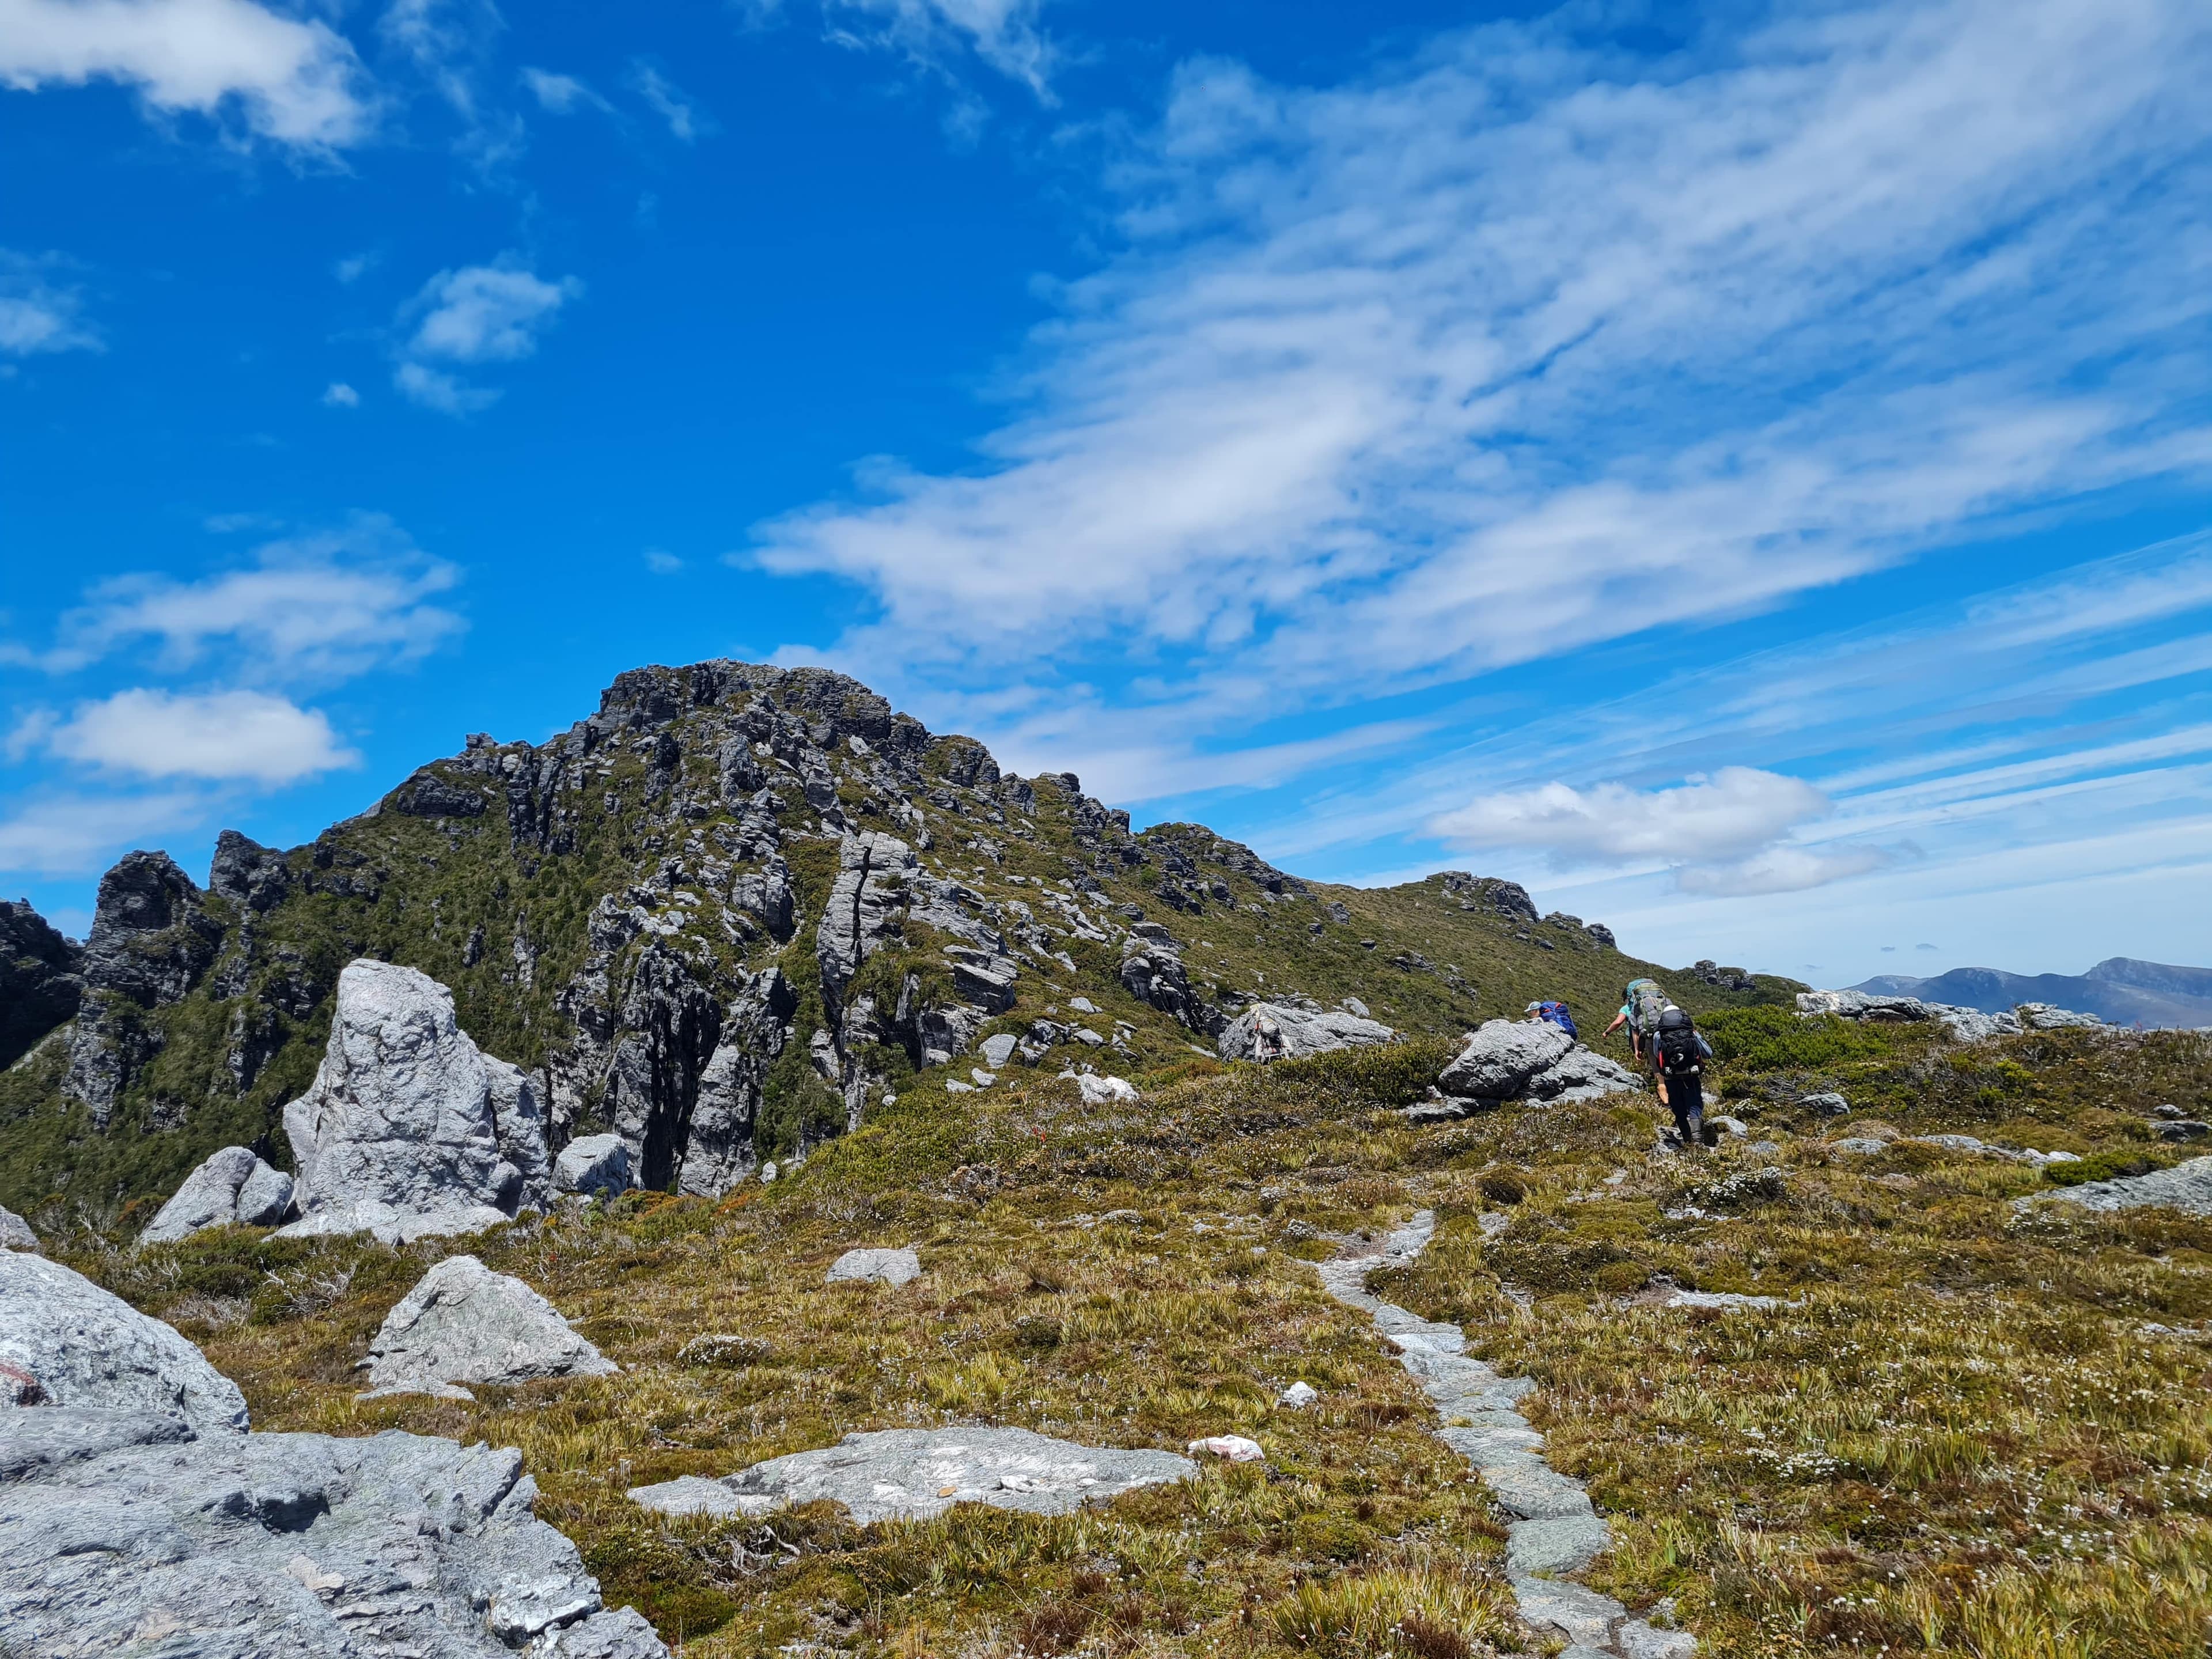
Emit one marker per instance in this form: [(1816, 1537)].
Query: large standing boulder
[(593, 1166), (1277, 1031), (88, 1348), (233, 1188), (123, 1532), (16, 1233), (875, 872), (464, 1323), (408, 1131)]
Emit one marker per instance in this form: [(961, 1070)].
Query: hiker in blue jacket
[(1556, 1013)]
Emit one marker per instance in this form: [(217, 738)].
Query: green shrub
[(1770, 1039), (2107, 1164)]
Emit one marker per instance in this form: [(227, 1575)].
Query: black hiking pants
[(1686, 1099)]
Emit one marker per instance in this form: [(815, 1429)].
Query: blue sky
[(1745, 472)]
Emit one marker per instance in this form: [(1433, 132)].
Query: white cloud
[(339, 395), (669, 102), (1779, 870), (1518, 347), (930, 34), (478, 314), (35, 315), (251, 735), (561, 95), (434, 388), (294, 80), (320, 606), (76, 834), (661, 562), (1737, 811)]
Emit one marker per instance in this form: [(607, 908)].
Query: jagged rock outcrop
[(41, 979), (462, 1323), (594, 1166), (408, 1131), (124, 1530), (1152, 972), (151, 940), (86, 1346), (719, 1152), (1281, 1030), (234, 1187)]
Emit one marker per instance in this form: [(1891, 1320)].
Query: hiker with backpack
[(1642, 1004), (1553, 1013), (1679, 1052)]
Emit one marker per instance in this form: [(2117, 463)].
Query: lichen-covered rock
[(1272, 1031), (2185, 1186), (594, 1166), (122, 1533), (401, 1133), (904, 1474), (874, 1266), (88, 1348), (2045, 1016), (234, 1187), (464, 1323)]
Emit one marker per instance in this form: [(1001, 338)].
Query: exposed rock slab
[(464, 1323), (1275, 1030), (89, 1347), (914, 1473), (1526, 1060), (234, 1187), (868, 1266), (408, 1131), (2185, 1186), (120, 1532)]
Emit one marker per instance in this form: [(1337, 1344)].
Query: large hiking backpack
[(1557, 1013), (1677, 1043), (1646, 1003)]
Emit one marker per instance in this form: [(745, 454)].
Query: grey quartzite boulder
[(464, 1323), (594, 1166), (408, 1130), (1275, 1030), (901, 1473), (233, 1188), (16, 1233), (122, 1531), (88, 1348), (1530, 1060)]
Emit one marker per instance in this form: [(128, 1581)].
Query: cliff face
[(41, 979), (722, 917)]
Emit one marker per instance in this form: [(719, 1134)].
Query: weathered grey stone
[(874, 871), (519, 1122), (2043, 1017), (88, 1348), (234, 1187), (1576, 1611), (151, 941), (1563, 1544), (1860, 1146), (892, 1268), (1534, 1492), (1722, 1300), (594, 1166), (2185, 1186), (400, 1134), (1638, 1640), (1972, 1025), (914, 1473), (1272, 1031), (123, 1537), (693, 1494), (16, 1233), (464, 1323), (1503, 1058), (1828, 1104), (1582, 1074), (998, 1049)]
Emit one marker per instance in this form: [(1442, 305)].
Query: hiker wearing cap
[(1553, 1013)]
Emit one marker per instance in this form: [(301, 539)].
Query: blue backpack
[(1557, 1013)]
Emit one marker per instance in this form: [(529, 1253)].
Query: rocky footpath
[(138, 1515), (1555, 1533)]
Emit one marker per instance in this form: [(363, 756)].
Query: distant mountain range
[(2119, 989)]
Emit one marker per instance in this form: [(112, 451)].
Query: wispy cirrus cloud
[(1524, 344), (291, 80), (38, 314), (314, 607)]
